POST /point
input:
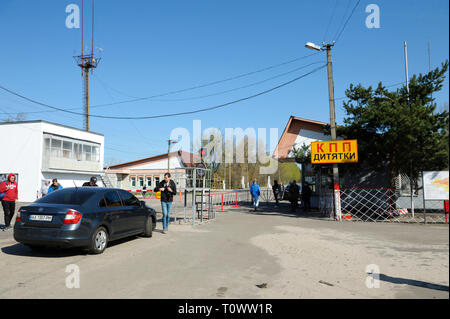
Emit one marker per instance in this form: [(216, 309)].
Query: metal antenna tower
[(87, 62)]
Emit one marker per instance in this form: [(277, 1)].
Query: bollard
[(221, 209), (236, 203)]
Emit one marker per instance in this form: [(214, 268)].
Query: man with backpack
[(8, 195)]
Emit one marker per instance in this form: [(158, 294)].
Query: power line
[(331, 19), (348, 19), (137, 99), (166, 115), (208, 84), (234, 89)]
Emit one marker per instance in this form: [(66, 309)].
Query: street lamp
[(327, 47), (168, 154)]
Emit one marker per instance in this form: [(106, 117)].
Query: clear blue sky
[(152, 47)]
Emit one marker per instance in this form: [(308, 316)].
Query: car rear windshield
[(67, 196)]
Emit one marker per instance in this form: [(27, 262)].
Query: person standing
[(144, 191), (44, 188), (282, 190), (55, 186), (168, 189), (92, 182), (294, 193), (276, 188), (306, 196), (10, 194), (255, 192)]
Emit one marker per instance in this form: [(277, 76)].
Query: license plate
[(41, 218)]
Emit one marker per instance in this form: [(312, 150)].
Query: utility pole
[(87, 62), (327, 47), (411, 184), (337, 199)]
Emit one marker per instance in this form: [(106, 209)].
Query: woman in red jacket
[(9, 187)]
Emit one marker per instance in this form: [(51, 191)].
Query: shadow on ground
[(411, 282), (52, 252), (284, 209)]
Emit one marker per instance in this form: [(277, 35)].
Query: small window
[(67, 149), (141, 182), (149, 182), (129, 199), (156, 181), (112, 199), (133, 181)]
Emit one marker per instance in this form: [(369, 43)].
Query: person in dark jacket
[(306, 196), (144, 191), (10, 194), (92, 182), (168, 189), (55, 186), (276, 188), (294, 194)]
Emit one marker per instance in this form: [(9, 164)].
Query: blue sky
[(153, 47)]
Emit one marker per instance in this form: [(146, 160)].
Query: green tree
[(397, 130)]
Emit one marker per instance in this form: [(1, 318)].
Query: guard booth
[(195, 184)]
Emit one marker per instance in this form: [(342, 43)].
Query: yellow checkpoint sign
[(158, 195), (331, 152)]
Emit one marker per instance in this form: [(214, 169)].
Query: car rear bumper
[(49, 237)]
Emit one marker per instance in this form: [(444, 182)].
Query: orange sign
[(158, 195), (330, 152)]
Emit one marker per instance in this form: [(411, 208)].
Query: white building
[(149, 171), (38, 150)]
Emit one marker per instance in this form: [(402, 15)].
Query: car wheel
[(148, 228), (99, 241)]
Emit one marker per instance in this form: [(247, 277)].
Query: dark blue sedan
[(84, 217)]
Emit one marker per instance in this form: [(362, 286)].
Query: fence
[(379, 205)]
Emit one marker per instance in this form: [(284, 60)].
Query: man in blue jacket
[(54, 187), (255, 192)]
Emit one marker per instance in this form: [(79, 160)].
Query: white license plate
[(41, 218)]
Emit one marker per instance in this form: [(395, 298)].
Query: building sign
[(435, 185), (331, 152)]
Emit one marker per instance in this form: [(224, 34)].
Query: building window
[(78, 151), (133, 181), (67, 149), (157, 180), (141, 181), (62, 147), (149, 181), (56, 148)]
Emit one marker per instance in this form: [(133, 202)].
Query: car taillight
[(18, 216), (72, 217)]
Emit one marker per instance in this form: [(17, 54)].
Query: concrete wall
[(22, 153)]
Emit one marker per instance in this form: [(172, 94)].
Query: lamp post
[(168, 154), (327, 47)]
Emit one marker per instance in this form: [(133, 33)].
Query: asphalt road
[(297, 257)]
